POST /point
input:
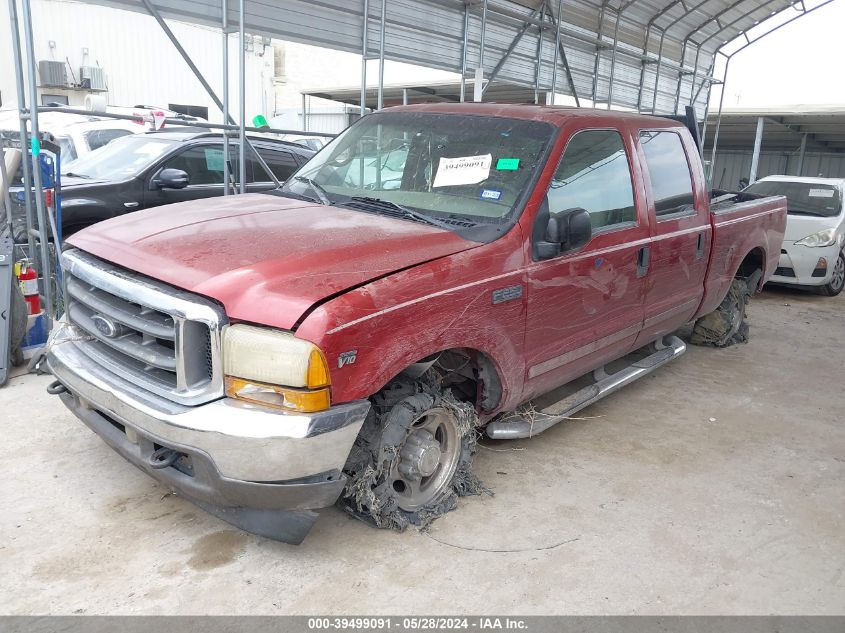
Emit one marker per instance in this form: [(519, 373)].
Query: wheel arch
[(487, 374), (754, 260)]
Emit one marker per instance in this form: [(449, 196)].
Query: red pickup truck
[(435, 272)]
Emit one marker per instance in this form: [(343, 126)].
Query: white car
[(81, 134), (812, 252), (311, 142)]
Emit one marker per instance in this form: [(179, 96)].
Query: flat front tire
[(411, 460)]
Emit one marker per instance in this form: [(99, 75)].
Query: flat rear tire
[(727, 324)]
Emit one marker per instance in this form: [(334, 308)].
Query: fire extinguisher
[(28, 278)]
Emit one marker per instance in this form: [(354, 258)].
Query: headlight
[(274, 368), (820, 239)]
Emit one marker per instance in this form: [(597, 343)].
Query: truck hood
[(266, 258), (800, 226)]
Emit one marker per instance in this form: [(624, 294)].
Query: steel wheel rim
[(412, 492), (837, 279)]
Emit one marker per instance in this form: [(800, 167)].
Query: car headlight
[(820, 239), (275, 369)]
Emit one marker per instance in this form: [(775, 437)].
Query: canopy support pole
[(550, 100), (242, 96), (801, 150), (224, 25), (514, 42), (209, 90), (464, 54), (364, 46), (478, 81), (556, 21), (21, 94), (381, 55), (755, 156), (36, 151)]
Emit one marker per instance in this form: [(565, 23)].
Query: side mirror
[(171, 179), (564, 231), (570, 228)]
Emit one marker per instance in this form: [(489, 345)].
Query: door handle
[(131, 205), (699, 249), (643, 257)]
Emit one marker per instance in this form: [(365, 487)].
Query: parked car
[(156, 168), (311, 142), (267, 356), (77, 135), (813, 253)]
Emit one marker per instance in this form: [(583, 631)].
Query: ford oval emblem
[(105, 326)]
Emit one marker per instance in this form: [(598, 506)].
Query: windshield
[(802, 198), (122, 158), (445, 166)]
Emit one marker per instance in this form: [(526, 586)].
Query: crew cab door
[(681, 234), (586, 307)]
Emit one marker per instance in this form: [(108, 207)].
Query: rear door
[(586, 307), (681, 234), (281, 162)]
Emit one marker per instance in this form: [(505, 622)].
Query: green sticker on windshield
[(507, 164)]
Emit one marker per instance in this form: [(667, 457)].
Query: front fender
[(86, 211), (444, 304)]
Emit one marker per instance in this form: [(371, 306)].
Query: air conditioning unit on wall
[(52, 73), (92, 78)]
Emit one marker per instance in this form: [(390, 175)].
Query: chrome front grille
[(161, 338)]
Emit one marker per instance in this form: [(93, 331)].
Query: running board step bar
[(605, 384)]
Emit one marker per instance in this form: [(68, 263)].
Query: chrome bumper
[(259, 469)]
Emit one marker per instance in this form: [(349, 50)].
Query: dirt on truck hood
[(266, 258)]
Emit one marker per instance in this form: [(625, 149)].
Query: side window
[(203, 164), (282, 164), (594, 175), (97, 138), (671, 184)]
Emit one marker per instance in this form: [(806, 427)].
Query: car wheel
[(726, 325), (412, 458), (837, 278)]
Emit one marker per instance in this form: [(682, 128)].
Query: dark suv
[(148, 170)]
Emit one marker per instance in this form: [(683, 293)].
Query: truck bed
[(741, 224)]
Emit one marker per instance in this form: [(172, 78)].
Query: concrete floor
[(717, 485)]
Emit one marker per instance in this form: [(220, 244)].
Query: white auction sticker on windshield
[(821, 193), (464, 170)]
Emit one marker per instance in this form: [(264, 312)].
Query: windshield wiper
[(411, 214), (322, 194), (73, 175)]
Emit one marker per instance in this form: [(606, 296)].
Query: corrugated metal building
[(798, 140)]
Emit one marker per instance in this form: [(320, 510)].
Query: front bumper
[(261, 470), (798, 265)]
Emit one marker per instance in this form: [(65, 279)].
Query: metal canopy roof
[(424, 92), (648, 55), (783, 128)]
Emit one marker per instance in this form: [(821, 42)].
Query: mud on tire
[(727, 324), (395, 452)]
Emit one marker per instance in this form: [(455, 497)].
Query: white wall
[(142, 65)]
